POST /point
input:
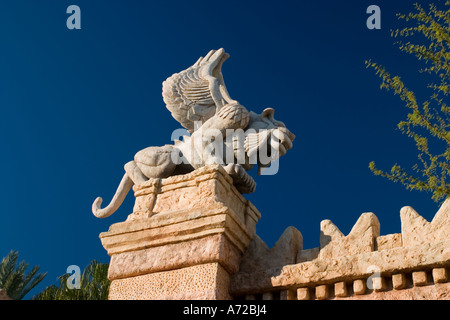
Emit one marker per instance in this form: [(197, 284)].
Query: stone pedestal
[(184, 239)]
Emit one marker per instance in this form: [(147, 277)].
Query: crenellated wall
[(412, 264)]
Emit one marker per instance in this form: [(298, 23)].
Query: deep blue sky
[(75, 105)]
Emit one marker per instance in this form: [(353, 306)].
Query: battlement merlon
[(420, 252)]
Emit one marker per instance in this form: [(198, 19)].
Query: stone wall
[(412, 264), (194, 236)]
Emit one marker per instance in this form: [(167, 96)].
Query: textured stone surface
[(216, 208), (439, 275), (360, 239), (259, 257), (434, 292), (303, 293), (175, 228), (398, 281), (416, 230), (340, 289), (389, 241), (201, 282), (338, 269), (359, 287), (207, 187), (214, 248), (419, 278), (322, 292)]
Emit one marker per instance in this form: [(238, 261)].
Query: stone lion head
[(266, 139)]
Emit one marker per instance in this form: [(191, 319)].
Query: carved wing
[(197, 93)]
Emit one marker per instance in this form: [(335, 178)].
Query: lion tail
[(122, 191)]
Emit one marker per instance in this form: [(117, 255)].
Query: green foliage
[(13, 278), (427, 122), (94, 285)]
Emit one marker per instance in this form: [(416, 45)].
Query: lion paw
[(241, 179)]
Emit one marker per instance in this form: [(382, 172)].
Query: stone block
[(303, 294), (419, 278), (378, 284), (322, 292), (440, 275), (340, 289), (359, 286), (398, 281)]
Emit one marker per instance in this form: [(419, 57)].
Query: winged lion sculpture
[(221, 131)]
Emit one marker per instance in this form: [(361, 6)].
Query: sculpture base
[(190, 243), (209, 281)]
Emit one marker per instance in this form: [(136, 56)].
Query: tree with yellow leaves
[(427, 37)]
